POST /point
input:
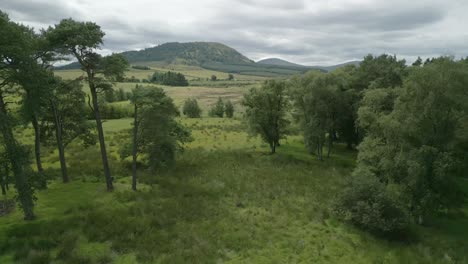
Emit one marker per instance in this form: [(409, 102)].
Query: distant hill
[(191, 53), (279, 62), (213, 56), (334, 67)]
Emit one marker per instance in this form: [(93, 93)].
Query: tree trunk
[(102, 144), (16, 157), (135, 149), (37, 152), (60, 147), (320, 151), (3, 187), (330, 144), (273, 147)]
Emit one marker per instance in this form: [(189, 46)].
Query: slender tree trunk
[(3, 180), (15, 153), (60, 147), (102, 144), (7, 177), (330, 144), (3, 187), (320, 151), (273, 147), (37, 151), (134, 150)]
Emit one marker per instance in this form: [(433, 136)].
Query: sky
[(309, 32)]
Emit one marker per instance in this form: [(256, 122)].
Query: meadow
[(227, 200)]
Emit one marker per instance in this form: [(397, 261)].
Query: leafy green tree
[(15, 48), (415, 143), (266, 111), (230, 77), (214, 78), (383, 71), (229, 109), (155, 130), (321, 105), (81, 39), (64, 120), (191, 108), (218, 109)]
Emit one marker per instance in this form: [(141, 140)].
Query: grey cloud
[(39, 11), (303, 31)]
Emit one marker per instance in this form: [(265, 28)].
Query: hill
[(212, 56), (278, 62), (191, 53)]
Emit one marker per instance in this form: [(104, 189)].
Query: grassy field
[(226, 201), (190, 72)]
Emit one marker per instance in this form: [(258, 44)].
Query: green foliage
[(67, 103), (383, 71), (214, 78), (412, 143), (229, 109), (266, 110), (169, 78), (230, 77), (218, 109), (155, 132), (372, 205), (191, 108), (323, 106)]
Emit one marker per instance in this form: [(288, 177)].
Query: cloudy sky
[(309, 32)]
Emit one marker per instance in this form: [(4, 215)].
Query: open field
[(190, 72), (227, 201)]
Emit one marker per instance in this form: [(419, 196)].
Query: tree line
[(409, 124)]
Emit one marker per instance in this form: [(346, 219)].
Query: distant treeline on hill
[(169, 78), (140, 67)]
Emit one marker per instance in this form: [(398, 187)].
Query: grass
[(227, 201), (192, 73)]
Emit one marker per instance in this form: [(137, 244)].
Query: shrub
[(218, 109), (229, 109), (372, 206), (191, 108)]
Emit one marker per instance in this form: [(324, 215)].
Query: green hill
[(212, 56), (191, 53), (279, 62)]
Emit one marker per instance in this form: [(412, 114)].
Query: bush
[(229, 109), (372, 206), (218, 109), (191, 108)]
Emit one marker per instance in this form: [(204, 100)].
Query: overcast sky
[(309, 32)]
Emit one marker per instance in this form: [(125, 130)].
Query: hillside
[(191, 53), (278, 62), (213, 56)]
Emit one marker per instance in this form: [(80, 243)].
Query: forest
[(365, 163)]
